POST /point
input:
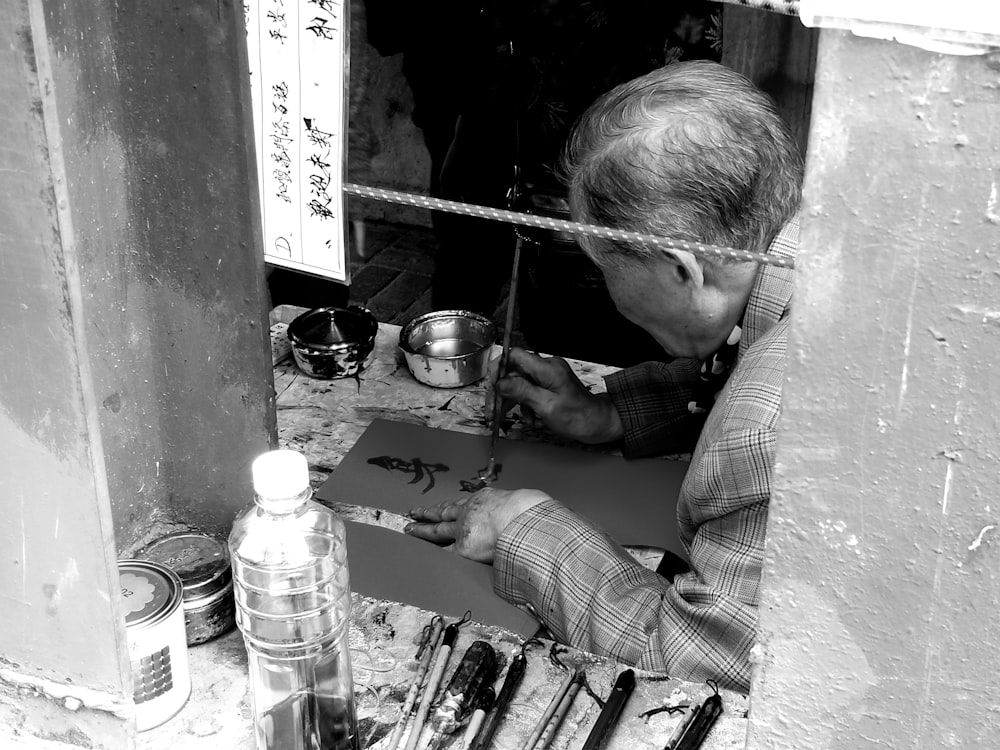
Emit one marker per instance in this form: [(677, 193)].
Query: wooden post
[(135, 362), (778, 54), (880, 608)]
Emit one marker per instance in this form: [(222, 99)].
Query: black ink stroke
[(416, 466)]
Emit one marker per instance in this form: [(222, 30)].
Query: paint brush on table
[(484, 704), (489, 474), (612, 709), (475, 672), (433, 633), (560, 713), (515, 673), (696, 724), (430, 688), (550, 711)]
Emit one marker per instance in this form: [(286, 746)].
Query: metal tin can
[(202, 564), (154, 624)]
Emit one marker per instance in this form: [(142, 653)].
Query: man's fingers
[(547, 372), (447, 511), (522, 391), (529, 417), (439, 533)]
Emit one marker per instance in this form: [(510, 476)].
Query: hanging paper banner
[(297, 51)]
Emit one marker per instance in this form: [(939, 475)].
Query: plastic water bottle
[(293, 606)]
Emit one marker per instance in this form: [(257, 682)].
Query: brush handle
[(489, 473), (620, 693), (560, 713), (447, 643), (515, 672), (702, 720), (553, 706), (484, 704)]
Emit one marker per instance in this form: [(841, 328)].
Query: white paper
[(960, 27), (296, 52)]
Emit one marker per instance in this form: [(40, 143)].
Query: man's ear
[(685, 266)]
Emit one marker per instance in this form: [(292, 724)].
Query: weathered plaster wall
[(58, 629), (161, 182), (135, 366), (879, 621)]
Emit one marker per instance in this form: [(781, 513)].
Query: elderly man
[(691, 151)]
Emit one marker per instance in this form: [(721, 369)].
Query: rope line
[(547, 222), (788, 7)]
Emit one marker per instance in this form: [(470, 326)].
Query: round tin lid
[(201, 562), (150, 592)]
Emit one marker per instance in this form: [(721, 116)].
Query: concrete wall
[(160, 176), (879, 612), (59, 636), (135, 366)]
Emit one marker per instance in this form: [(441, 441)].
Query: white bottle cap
[(280, 474)]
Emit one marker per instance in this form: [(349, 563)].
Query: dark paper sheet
[(386, 564), (396, 466)]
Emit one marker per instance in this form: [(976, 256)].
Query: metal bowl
[(448, 348), (333, 342)]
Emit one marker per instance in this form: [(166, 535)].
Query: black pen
[(515, 672), (693, 729), (620, 693), (484, 704)]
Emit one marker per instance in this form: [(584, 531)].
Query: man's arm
[(595, 596), (592, 595), (646, 406), (546, 388), (652, 400)]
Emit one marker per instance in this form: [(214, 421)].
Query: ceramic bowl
[(333, 342), (448, 348)]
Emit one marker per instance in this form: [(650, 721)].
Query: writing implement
[(620, 693), (560, 713), (549, 711), (515, 673), (433, 682), (696, 724), (484, 704), (429, 647), (681, 727), (476, 670)]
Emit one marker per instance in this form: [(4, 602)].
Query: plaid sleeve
[(652, 400), (592, 595)]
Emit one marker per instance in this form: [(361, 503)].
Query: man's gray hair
[(690, 151)]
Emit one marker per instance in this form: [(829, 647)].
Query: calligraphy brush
[(551, 710), (515, 673), (489, 474), (484, 704), (428, 648), (611, 710), (561, 712), (430, 688)]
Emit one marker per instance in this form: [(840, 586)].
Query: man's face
[(686, 318)]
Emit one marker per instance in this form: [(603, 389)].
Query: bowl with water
[(448, 348)]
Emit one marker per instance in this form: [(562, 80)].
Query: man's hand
[(546, 388), (472, 524)]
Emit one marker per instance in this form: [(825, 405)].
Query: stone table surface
[(323, 419)]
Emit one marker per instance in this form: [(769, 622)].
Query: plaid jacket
[(593, 595)]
